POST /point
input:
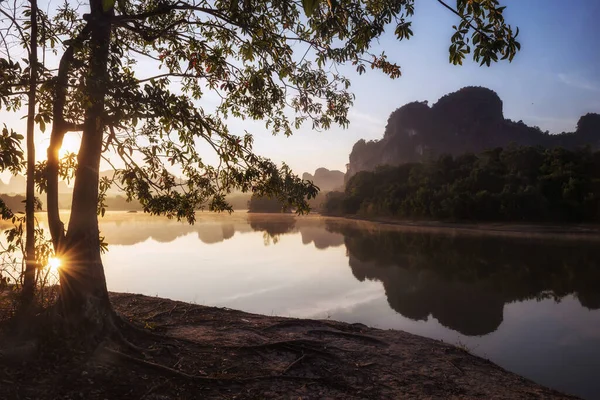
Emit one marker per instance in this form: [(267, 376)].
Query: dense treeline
[(511, 184)]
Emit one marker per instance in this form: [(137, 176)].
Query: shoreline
[(532, 230), (389, 363), (192, 351), (588, 232)]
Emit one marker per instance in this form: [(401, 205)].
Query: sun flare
[(71, 143), (54, 263)]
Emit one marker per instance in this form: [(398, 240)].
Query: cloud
[(579, 82)]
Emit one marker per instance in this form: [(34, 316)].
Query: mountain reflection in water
[(463, 281)]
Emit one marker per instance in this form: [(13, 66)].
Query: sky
[(552, 82)]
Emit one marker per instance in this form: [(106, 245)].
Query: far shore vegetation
[(513, 184)]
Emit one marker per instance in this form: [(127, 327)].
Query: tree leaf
[(310, 6)]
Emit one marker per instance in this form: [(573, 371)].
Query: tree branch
[(463, 18), (14, 22)]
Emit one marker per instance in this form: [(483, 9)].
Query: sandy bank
[(317, 359), (187, 351)]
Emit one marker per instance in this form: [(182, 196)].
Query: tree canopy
[(151, 86), (510, 184)]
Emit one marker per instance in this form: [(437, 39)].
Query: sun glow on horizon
[(54, 263)]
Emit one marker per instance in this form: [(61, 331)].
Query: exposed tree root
[(171, 324), (457, 367), (366, 338), (160, 314), (127, 326), (292, 342), (297, 361), (119, 339), (290, 324), (180, 374), (295, 345)]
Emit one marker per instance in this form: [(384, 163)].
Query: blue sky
[(552, 82)]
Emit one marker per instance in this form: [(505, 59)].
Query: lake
[(531, 305)]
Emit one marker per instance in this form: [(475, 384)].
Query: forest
[(512, 184)]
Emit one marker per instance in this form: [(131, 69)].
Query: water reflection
[(465, 281), (272, 228), (128, 229)]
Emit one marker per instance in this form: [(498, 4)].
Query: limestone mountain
[(325, 179), (469, 120), (16, 185)]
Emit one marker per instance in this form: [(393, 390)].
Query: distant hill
[(116, 200), (16, 185), (10, 203), (325, 179), (470, 120)]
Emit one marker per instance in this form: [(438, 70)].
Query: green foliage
[(11, 153), (310, 6), (104, 185), (12, 254), (66, 172), (482, 25), (512, 184)]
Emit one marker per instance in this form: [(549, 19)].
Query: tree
[(156, 125), (258, 204), (30, 265), (29, 40)]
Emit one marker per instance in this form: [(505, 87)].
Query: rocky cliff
[(469, 120)]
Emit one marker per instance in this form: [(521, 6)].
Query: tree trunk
[(59, 129), (30, 257), (83, 292)]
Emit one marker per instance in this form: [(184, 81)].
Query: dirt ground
[(197, 352)]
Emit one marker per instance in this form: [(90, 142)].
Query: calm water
[(530, 305)]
